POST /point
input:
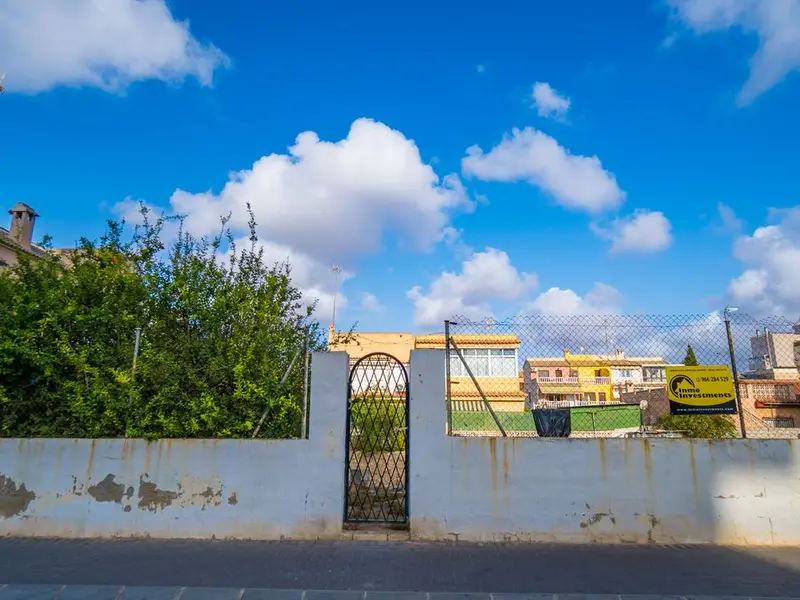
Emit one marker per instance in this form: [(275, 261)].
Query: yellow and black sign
[(706, 390)]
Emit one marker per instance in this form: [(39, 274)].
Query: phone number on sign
[(713, 379)]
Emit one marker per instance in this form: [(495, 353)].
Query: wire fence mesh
[(608, 376)]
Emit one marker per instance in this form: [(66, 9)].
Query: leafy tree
[(219, 329), (691, 359)]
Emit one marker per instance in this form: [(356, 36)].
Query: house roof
[(436, 340), (10, 242), (22, 207)]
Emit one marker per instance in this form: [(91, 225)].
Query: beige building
[(18, 238), (774, 355), (493, 360)]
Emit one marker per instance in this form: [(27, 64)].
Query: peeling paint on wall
[(14, 499), (151, 498), (109, 490)]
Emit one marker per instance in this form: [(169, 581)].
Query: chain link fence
[(606, 376)]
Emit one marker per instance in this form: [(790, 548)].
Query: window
[(783, 422), (544, 374), (626, 373), (573, 373), (598, 373), (559, 373), (655, 374), (602, 396), (485, 362)]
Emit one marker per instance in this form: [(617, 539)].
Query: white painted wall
[(593, 490), (244, 489)]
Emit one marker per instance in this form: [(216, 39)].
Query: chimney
[(23, 218), (620, 353)]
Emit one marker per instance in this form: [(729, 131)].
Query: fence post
[(448, 394), (732, 352)]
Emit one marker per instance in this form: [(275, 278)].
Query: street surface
[(388, 566)]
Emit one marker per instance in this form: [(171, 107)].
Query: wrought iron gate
[(376, 473)]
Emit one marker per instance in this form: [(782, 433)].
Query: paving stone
[(90, 592), (150, 593), (211, 593), (31, 592)]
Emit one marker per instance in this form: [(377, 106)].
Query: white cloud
[(730, 222), (486, 276), (775, 22), (643, 232), (576, 182), (602, 299), (548, 102), (326, 202), (108, 44), (335, 200), (770, 284), (370, 303)]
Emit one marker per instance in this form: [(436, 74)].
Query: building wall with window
[(570, 378), (776, 402), (493, 360)]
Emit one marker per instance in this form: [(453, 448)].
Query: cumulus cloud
[(643, 232), (332, 201), (549, 102), (485, 277), (602, 299), (770, 283), (775, 22), (336, 199), (108, 44), (574, 181)]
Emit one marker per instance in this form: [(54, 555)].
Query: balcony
[(558, 380), (596, 380), (574, 380)]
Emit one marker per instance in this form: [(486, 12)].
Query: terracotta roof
[(467, 340)]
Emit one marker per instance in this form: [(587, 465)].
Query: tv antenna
[(337, 270)]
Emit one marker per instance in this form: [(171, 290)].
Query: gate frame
[(406, 454)]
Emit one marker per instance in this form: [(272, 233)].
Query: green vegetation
[(378, 424), (691, 359), (700, 426), (219, 328), (585, 418)]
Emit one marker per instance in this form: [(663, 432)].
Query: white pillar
[(328, 423), (429, 446)]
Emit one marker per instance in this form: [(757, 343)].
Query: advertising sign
[(704, 390)]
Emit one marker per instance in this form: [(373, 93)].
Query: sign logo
[(706, 390)]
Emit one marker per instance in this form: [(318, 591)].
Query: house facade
[(569, 379), (492, 359)]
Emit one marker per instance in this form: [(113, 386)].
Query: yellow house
[(493, 360), (571, 378)]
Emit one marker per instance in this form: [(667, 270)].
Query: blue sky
[(563, 157)]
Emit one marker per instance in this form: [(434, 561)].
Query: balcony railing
[(574, 380), (558, 380)]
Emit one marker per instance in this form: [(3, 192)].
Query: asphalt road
[(379, 566)]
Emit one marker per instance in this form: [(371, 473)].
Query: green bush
[(700, 426), (377, 425), (219, 328)]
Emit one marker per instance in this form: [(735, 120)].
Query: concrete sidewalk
[(78, 592), (385, 566)]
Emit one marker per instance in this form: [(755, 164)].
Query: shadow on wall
[(669, 491)]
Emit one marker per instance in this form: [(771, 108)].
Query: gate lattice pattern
[(377, 441)]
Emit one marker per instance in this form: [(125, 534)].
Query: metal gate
[(376, 473)]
